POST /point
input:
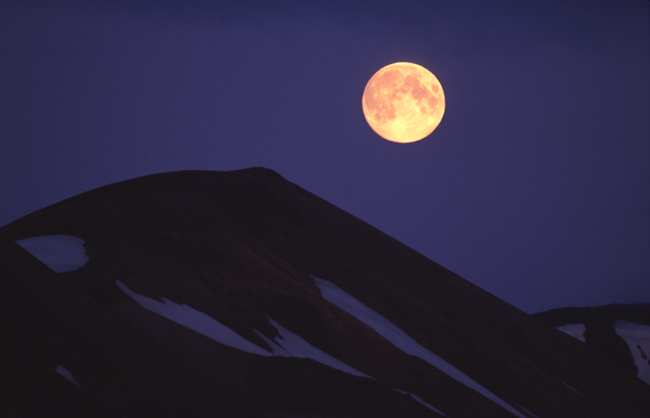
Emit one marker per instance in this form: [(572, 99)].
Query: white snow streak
[(637, 337), (417, 398), (527, 411), (291, 345), (287, 345), (574, 330), (61, 253), (572, 388), (67, 374), (400, 339), (195, 320)]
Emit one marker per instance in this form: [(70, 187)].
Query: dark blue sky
[(535, 186)]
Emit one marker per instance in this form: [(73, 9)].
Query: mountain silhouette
[(240, 294), (621, 333)]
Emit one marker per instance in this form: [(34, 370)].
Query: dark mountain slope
[(253, 252), (46, 322), (599, 332)]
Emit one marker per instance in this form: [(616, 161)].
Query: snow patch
[(418, 399), (61, 253), (401, 339), (287, 345), (572, 388), (637, 337), (292, 345), (67, 374), (526, 410), (574, 330), (195, 320)]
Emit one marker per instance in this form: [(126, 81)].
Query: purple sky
[(535, 186)]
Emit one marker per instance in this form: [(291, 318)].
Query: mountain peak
[(284, 304)]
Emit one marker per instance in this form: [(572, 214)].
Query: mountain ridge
[(247, 247), (600, 327)]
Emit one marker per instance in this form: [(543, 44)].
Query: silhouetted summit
[(239, 293)]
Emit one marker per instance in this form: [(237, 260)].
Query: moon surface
[(403, 102)]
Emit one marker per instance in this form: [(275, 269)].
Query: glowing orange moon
[(403, 102)]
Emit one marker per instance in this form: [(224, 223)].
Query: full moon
[(403, 102)]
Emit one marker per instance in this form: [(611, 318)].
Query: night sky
[(535, 186)]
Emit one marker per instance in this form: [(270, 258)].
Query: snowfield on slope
[(420, 400), (574, 330), (637, 338), (287, 345), (401, 339), (61, 253), (67, 374)]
